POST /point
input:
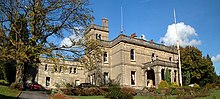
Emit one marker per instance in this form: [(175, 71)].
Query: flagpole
[(122, 29), (178, 49)]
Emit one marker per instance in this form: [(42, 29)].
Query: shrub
[(196, 85), (167, 76), (174, 85), (68, 85), (126, 96), (104, 89), (90, 91), (68, 91), (129, 90), (209, 86), (57, 85), (212, 86), (78, 91), (163, 84), (116, 93)]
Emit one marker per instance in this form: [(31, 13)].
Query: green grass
[(155, 97), (7, 93), (214, 94)]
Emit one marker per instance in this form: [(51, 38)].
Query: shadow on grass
[(7, 97)]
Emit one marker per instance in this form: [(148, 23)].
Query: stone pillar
[(171, 75), (177, 76), (145, 78), (157, 76)]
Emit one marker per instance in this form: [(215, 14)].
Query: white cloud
[(74, 37), (67, 41), (185, 34), (216, 59)]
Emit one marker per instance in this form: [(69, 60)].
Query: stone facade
[(131, 61), (127, 60), (57, 73)]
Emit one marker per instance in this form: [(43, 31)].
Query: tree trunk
[(19, 75)]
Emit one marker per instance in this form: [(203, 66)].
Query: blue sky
[(198, 19)]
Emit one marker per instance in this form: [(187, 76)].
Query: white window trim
[(49, 82), (46, 65), (106, 79), (61, 69), (106, 57), (134, 79)]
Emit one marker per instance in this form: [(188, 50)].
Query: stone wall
[(59, 77)]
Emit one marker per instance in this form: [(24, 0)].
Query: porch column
[(171, 75), (157, 76)]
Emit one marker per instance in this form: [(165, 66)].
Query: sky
[(198, 22)]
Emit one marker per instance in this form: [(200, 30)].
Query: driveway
[(34, 95)]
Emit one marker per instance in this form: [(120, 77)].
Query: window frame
[(105, 58), (133, 79), (61, 69), (47, 81), (45, 67), (106, 81), (132, 55), (56, 68), (74, 70), (71, 70)]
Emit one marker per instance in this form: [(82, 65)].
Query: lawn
[(214, 94), (7, 93)]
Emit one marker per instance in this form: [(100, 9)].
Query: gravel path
[(34, 95)]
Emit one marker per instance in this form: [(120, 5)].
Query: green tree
[(191, 59), (200, 69), (187, 79), (29, 24), (92, 59), (167, 76)]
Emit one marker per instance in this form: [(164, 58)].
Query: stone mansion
[(128, 60)]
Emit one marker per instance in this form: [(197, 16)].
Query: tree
[(187, 78), (167, 76), (92, 59), (29, 24), (199, 69)]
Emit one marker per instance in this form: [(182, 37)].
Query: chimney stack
[(105, 22)]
